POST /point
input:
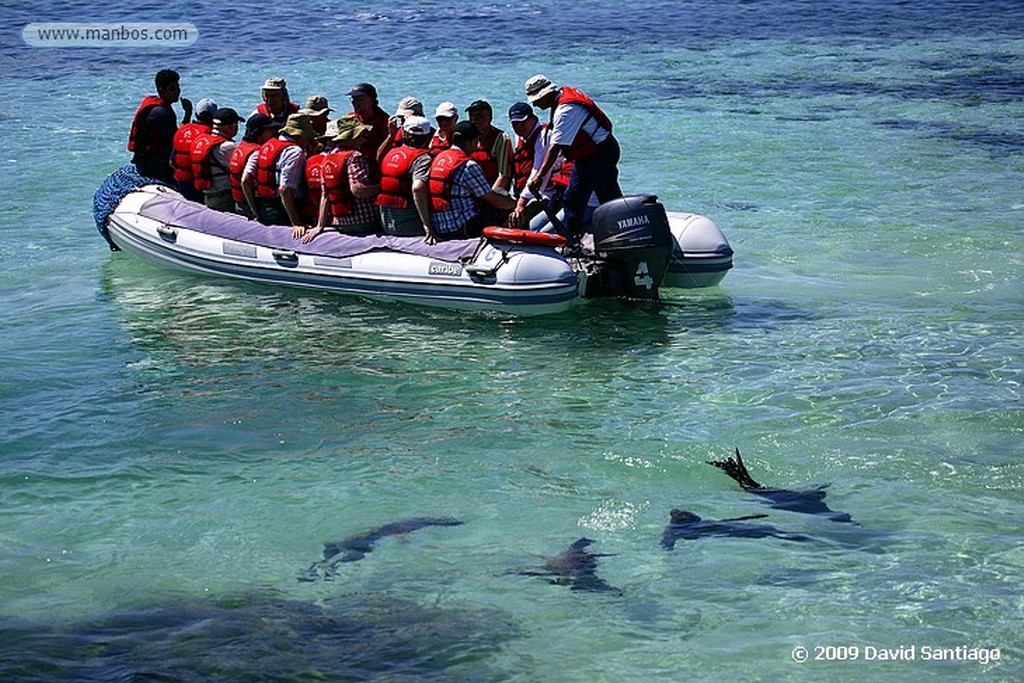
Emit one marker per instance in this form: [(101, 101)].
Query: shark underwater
[(576, 567), (686, 526), (355, 548), (810, 502)]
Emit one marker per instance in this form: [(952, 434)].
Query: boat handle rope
[(484, 271)]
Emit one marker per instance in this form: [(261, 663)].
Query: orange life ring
[(515, 236)]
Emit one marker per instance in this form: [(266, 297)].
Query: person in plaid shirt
[(463, 201), (359, 215)]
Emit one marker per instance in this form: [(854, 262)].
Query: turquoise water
[(176, 450)]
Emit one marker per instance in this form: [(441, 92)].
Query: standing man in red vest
[(493, 150), (583, 134), (184, 138), (152, 134), (211, 158), (446, 115), (318, 110), (532, 141), (366, 108), (277, 103)]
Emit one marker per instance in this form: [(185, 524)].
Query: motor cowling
[(633, 245)]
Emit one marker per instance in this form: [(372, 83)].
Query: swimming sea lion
[(810, 502), (686, 526), (576, 568), (355, 548)]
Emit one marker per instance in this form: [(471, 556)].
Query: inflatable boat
[(636, 248)]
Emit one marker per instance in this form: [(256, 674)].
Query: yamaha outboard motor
[(633, 245)]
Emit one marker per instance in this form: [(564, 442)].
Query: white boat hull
[(528, 280), (701, 255), (159, 225)]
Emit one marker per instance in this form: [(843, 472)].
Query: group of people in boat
[(371, 172)]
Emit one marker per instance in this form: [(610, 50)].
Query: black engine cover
[(633, 244)]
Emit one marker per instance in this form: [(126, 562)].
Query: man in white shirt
[(582, 133)]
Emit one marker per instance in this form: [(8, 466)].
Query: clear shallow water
[(176, 450)]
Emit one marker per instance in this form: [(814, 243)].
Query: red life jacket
[(336, 187), (314, 174), (560, 176), (522, 158), (182, 155), (134, 143), (482, 154), (442, 177), (263, 109), (582, 145), (373, 139), (266, 166), (202, 161), (437, 145), (395, 180), (236, 166)]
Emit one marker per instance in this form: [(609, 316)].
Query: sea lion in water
[(810, 502), (576, 568), (355, 548), (686, 526)]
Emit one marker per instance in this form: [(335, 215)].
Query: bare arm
[(545, 168), (389, 141), (249, 190), (364, 191), (499, 201), (421, 198), (321, 221), (291, 207)]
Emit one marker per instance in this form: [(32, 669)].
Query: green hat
[(350, 128), (298, 126)]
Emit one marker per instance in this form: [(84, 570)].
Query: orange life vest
[(582, 145), (395, 181), (442, 177), (560, 176), (134, 143), (182, 154), (202, 160), (373, 139), (523, 163), (236, 167), (437, 145), (263, 109), (336, 184), (266, 166), (483, 154)]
